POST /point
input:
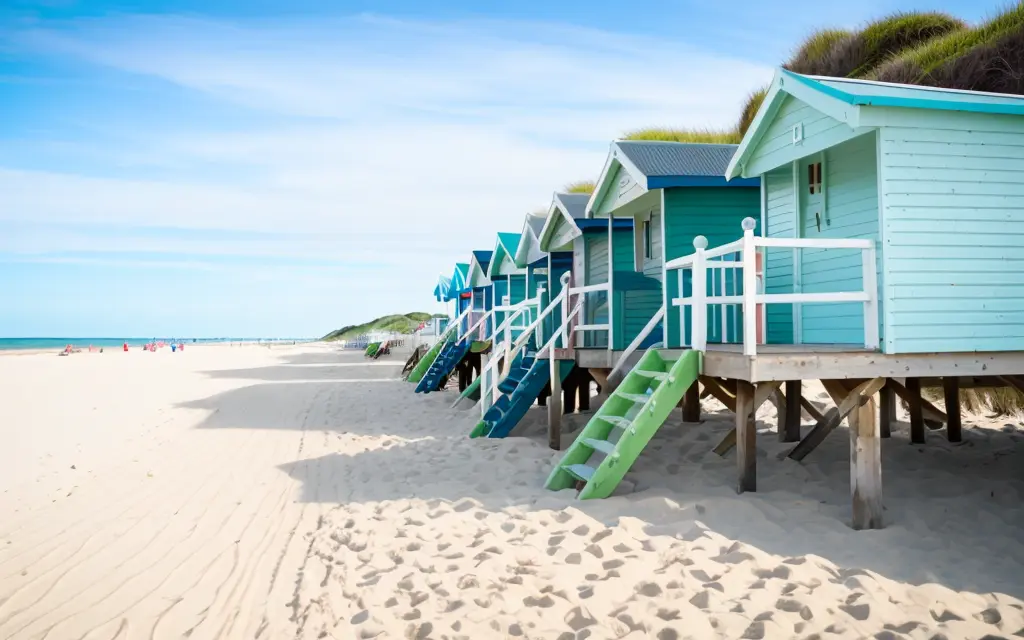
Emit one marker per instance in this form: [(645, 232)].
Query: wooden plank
[(789, 424), (886, 409), (834, 416), (930, 411), (555, 408), (691, 403), (811, 410), (719, 392), (804, 363), (916, 408), (951, 394), (1015, 382), (746, 441), (763, 391), (865, 467)]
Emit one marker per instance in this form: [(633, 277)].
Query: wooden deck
[(828, 362)]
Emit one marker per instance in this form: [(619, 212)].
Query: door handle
[(817, 219)]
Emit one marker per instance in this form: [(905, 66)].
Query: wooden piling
[(886, 409), (746, 438), (555, 408), (865, 467), (916, 408), (691, 403), (951, 393), (789, 424)]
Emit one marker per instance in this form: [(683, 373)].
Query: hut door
[(812, 225)]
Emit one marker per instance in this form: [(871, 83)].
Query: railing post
[(566, 300), (870, 281), (749, 288), (683, 342), (699, 308)]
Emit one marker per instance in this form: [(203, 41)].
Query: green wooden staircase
[(624, 425)]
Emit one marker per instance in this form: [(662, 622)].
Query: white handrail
[(746, 265), (590, 288), (557, 334), (476, 326), (454, 325), (635, 344)]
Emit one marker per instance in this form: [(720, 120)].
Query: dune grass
[(398, 323), (753, 104), (982, 401), (811, 58), (580, 186), (669, 134)]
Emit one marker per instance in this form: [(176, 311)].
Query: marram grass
[(580, 186), (668, 134)]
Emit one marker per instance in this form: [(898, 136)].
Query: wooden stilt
[(691, 403), (746, 438), (584, 390), (886, 409), (834, 417), (719, 392), (916, 406), (569, 395), (931, 413), (555, 408), (762, 392), (951, 393), (865, 467), (789, 424), (811, 410)]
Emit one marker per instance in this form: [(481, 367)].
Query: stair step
[(605, 447), (636, 398), (580, 471), (660, 376), (618, 421)]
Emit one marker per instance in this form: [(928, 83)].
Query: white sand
[(300, 492)]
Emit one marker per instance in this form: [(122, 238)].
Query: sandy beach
[(303, 492)]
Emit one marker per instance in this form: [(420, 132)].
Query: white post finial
[(748, 224), (700, 242)]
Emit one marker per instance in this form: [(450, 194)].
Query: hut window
[(814, 177)]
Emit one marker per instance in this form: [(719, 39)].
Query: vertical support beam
[(916, 410), (699, 308), (691, 403), (870, 282), (951, 392), (749, 293), (569, 389), (746, 438), (790, 431), (887, 409), (555, 408), (584, 389), (865, 467)]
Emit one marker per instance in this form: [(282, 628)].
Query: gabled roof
[(564, 206), (442, 289), (661, 165), (508, 244), (529, 240), (852, 102), (479, 262), (457, 283)]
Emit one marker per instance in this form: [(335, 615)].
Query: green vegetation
[(812, 55), (580, 186), (398, 323), (754, 102), (667, 134)]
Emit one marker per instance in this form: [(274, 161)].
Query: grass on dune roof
[(668, 134), (580, 186)]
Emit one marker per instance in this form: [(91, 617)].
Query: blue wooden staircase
[(519, 390), (449, 357)]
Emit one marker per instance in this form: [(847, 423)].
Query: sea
[(12, 344)]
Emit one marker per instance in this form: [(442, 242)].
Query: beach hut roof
[(442, 289), (529, 240), (857, 103), (507, 245), (570, 209), (659, 165), (478, 267), (457, 283)]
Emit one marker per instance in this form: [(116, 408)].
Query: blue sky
[(282, 168)]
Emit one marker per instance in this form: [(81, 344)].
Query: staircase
[(613, 439), (450, 356), (519, 390)]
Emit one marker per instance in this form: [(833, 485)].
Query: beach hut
[(482, 294), (453, 344), (508, 280), (892, 220), (672, 192)]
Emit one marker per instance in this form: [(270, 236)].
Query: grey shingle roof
[(678, 158), (575, 204)]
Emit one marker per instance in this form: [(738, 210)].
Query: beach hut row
[(864, 234)]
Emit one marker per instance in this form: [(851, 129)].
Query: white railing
[(581, 329), (453, 326), (491, 375), (741, 292), (479, 323), (618, 371)]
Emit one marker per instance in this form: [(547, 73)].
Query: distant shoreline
[(30, 346)]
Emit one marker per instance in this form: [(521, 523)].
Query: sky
[(280, 168)]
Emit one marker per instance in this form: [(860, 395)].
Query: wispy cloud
[(429, 137)]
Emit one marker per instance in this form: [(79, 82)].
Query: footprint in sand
[(544, 602), (595, 551), (581, 530), (790, 605), (579, 618), (573, 558)]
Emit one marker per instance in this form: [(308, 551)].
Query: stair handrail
[(517, 346), (618, 371), (453, 326), (498, 349), (566, 319), (476, 326)]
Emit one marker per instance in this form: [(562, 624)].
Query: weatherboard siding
[(715, 213), (850, 211), (953, 191), (777, 147), (653, 263), (780, 222), (622, 189)]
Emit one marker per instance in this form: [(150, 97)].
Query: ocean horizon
[(18, 344)]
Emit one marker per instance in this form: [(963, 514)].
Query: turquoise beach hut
[(508, 280), (482, 293), (672, 192), (933, 177), (529, 255)]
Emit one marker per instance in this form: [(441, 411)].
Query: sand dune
[(304, 493)]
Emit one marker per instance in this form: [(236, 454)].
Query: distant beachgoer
[(174, 347)]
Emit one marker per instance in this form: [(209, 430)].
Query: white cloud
[(375, 140)]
